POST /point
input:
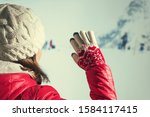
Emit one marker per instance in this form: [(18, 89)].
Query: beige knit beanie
[(21, 33)]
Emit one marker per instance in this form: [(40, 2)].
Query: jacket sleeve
[(98, 74), (101, 83)]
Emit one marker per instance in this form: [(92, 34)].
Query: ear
[(38, 55)]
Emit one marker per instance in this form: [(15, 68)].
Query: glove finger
[(92, 38), (75, 57), (84, 37), (74, 44), (78, 39)]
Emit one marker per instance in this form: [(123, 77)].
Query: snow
[(130, 71), (135, 21)]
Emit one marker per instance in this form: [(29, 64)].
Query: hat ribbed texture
[(21, 33)]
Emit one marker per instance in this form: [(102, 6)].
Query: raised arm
[(89, 57)]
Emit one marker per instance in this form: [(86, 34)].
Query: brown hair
[(30, 64)]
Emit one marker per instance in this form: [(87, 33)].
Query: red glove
[(90, 57)]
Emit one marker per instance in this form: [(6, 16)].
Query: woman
[(21, 40)]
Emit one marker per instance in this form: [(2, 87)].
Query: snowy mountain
[(132, 31)]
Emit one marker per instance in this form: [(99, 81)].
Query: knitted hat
[(21, 33)]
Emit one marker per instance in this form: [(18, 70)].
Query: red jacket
[(21, 86)]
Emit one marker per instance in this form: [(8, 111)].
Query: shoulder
[(13, 84), (41, 92)]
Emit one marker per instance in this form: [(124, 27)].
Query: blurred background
[(122, 29)]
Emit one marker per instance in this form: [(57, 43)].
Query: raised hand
[(87, 51)]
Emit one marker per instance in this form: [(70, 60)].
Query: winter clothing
[(18, 85), (21, 33), (98, 74)]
